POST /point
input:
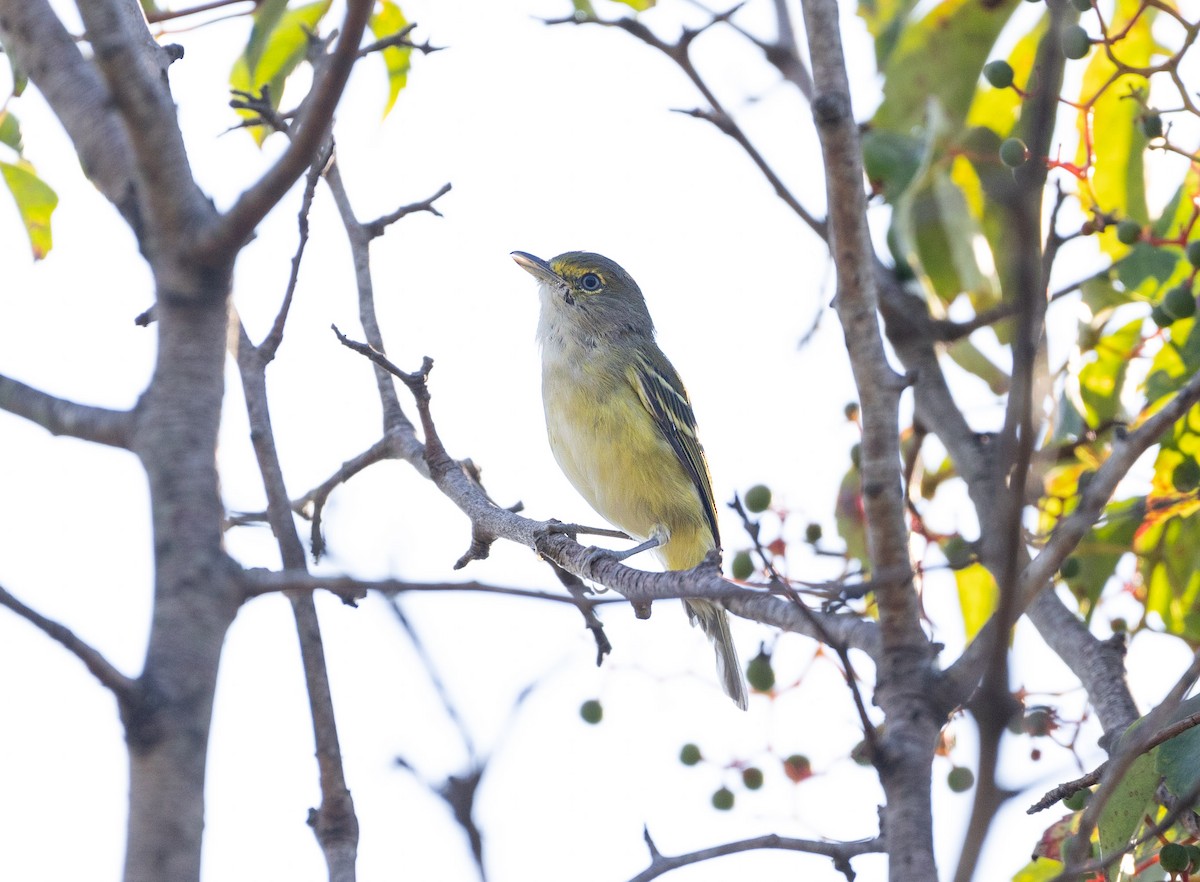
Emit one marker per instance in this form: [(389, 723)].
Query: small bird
[(621, 426)]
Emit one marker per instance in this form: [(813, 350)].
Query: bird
[(621, 425)]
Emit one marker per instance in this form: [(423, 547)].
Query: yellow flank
[(607, 444)]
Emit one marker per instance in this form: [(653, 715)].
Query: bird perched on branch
[(621, 426)]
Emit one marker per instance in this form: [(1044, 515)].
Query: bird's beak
[(537, 268)]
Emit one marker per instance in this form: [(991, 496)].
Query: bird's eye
[(590, 282)]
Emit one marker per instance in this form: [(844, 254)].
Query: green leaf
[(20, 80), (1174, 363), (970, 358), (885, 21), (1122, 815), (387, 21), (1041, 870), (940, 58), (1146, 268), (1099, 552), (1116, 182), (1179, 758), (1101, 297), (1170, 566), (10, 131), (891, 161), (266, 19), (277, 45), (35, 200), (977, 597), (638, 5), (851, 519), (1102, 379), (936, 223)]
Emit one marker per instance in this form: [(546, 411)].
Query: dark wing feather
[(661, 391)]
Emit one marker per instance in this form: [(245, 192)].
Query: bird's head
[(588, 295)]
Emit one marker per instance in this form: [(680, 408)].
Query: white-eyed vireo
[(621, 426)]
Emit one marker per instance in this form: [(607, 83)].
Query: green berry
[(958, 552), (813, 533), (1082, 5), (752, 778), (743, 566), (999, 73), (758, 498), (1016, 723), (759, 673), (1075, 42), (960, 779), (1077, 800), (1038, 722), (591, 711), (861, 753), (689, 754), (1180, 302), (1186, 476), (722, 800), (1194, 854), (1161, 317), (1174, 858), (1013, 152), (1118, 625), (1129, 231), (1151, 124), (1193, 252), (1070, 567)]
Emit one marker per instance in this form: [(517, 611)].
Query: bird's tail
[(714, 621)]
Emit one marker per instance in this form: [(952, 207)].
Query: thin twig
[(124, 688), (840, 852)]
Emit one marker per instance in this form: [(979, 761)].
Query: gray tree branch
[(308, 133), (839, 852), (905, 667), (58, 416), (135, 68), (124, 688)]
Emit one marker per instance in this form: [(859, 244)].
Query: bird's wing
[(663, 395)]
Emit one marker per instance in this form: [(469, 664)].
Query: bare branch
[(396, 424), (124, 688), (679, 52), (307, 134), (270, 344), (840, 852), (637, 586), (1062, 791), (377, 227), (62, 417), (258, 582), (155, 16)]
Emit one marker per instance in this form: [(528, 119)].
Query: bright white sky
[(554, 139)]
